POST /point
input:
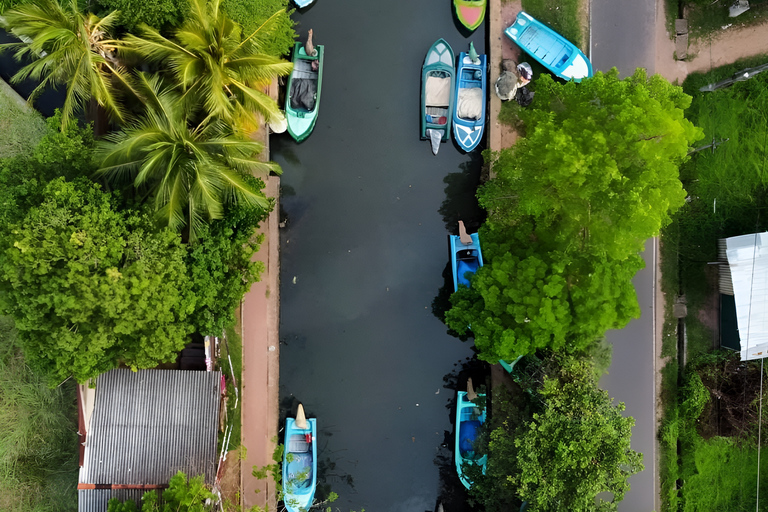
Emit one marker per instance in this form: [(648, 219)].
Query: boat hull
[(436, 109), (468, 132), (303, 3), (299, 473), (552, 50), (471, 13), (474, 259), (301, 120), (468, 423)]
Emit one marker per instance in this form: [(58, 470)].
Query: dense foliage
[(251, 14), (89, 287), (161, 14), (573, 445), (569, 209), (182, 495)]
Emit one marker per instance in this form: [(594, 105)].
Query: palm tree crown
[(214, 64), (66, 46), (189, 171)]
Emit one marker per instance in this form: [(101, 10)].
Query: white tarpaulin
[(748, 260)]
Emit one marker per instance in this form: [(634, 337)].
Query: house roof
[(748, 261), (147, 426)]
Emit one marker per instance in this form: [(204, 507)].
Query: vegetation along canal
[(367, 210)]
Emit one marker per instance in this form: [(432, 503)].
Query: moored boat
[(470, 100), (437, 85), (466, 256), (299, 462), (469, 421), (470, 13), (548, 47), (302, 100), (303, 3)]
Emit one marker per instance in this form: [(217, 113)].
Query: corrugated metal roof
[(725, 281), (95, 500), (148, 425), (748, 259)]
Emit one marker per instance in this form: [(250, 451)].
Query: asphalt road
[(622, 36)]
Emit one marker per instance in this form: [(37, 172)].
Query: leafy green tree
[(90, 288), (161, 14), (67, 46), (220, 265), (569, 210), (598, 167), (190, 172), (575, 447), (531, 297), (66, 151), (215, 65)]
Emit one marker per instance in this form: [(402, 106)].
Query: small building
[(141, 428), (744, 295)]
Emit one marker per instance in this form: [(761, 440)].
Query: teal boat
[(299, 462), (469, 422), (438, 79), (302, 101)]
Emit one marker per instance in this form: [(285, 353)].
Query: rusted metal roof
[(147, 426)]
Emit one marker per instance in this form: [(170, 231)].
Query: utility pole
[(739, 76)]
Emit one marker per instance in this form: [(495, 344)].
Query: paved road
[(622, 35)]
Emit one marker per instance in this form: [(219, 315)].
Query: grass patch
[(707, 18), (21, 128), (563, 16), (233, 350), (38, 435)]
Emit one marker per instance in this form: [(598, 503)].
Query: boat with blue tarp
[(470, 416), (466, 256), (299, 462)]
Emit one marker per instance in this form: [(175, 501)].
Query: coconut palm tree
[(66, 46), (188, 171), (215, 65)]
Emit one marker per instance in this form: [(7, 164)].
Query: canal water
[(367, 209)]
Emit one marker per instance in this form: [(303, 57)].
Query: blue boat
[(469, 422), (469, 103), (548, 47), (303, 3), (466, 256), (299, 462), (438, 79)]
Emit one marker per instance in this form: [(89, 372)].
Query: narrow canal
[(367, 210)]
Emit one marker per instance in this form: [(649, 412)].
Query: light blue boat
[(469, 422), (300, 472), (469, 109), (303, 3), (548, 47), (466, 256)]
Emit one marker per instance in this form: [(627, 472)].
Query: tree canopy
[(90, 287), (569, 209), (573, 446)]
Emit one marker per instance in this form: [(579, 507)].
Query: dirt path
[(724, 48)]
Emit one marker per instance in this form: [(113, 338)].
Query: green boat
[(302, 101), (471, 13), (438, 80)]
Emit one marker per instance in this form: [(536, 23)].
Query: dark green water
[(368, 209)]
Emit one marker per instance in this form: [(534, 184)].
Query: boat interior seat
[(468, 432), (466, 255), (302, 68), (298, 444)]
